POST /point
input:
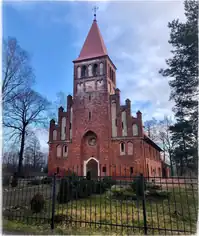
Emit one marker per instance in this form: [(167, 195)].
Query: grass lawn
[(101, 214)]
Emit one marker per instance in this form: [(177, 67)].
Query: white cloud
[(136, 35)]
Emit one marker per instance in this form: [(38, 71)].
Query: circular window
[(92, 141)]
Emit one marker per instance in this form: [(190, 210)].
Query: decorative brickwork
[(96, 130)]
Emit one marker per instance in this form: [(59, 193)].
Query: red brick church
[(96, 133)]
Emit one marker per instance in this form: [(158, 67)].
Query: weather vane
[(95, 10)]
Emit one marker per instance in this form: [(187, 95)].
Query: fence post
[(143, 202), (53, 202)]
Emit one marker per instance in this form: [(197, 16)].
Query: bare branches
[(16, 70)]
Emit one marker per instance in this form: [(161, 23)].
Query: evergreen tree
[(183, 73)]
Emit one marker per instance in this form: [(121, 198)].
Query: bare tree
[(151, 129), (28, 109), (17, 72), (33, 155), (165, 137)]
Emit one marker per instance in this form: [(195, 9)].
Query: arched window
[(122, 149), (90, 70), (78, 72), (63, 128), (54, 134), (110, 72), (101, 69), (83, 71), (135, 130), (95, 69), (59, 151), (130, 148), (65, 151), (89, 115)]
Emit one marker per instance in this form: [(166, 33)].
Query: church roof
[(94, 44)]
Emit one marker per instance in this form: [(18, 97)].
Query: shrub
[(136, 185), (14, 182), (6, 180), (65, 191), (35, 182), (99, 187), (123, 194), (158, 193), (153, 186), (46, 180), (37, 203), (108, 182)]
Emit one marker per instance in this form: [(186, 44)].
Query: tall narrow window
[(95, 69), (65, 151), (110, 72), (83, 71), (57, 170), (90, 73), (78, 72), (89, 97), (130, 148), (70, 126), (122, 149), (54, 134), (131, 170), (59, 151), (101, 69), (135, 130), (122, 125), (89, 115)]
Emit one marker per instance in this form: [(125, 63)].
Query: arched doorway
[(91, 168)]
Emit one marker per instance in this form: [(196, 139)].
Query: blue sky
[(135, 33)]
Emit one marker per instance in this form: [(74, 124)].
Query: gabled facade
[(96, 131)]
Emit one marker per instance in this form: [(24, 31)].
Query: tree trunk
[(21, 151)]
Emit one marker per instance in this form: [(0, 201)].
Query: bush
[(136, 185), (6, 180), (158, 193), (14, 182), (37, 203), (65, 191), (99, 187), (35, 182), (153, 186), (108, 182), (123, 194), (46, 180)]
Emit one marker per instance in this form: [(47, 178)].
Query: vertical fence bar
[(143, 202), (53, 202)]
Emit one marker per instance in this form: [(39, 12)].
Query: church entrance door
[(92, 168)]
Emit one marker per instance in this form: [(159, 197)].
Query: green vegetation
[(117, 210)]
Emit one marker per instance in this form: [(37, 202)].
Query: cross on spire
[(95, 10)]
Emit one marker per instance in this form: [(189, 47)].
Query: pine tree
[(182, 71)]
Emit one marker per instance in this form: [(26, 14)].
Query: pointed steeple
[(94, 44)]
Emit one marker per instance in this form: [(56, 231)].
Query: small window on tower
[(83, 71), (122, 149), (95, 69), (101, 69), (70, 126), (89, 97)]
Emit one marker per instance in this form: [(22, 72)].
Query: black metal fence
[(135, 205)]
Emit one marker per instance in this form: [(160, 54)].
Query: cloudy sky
[(135, 33)]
